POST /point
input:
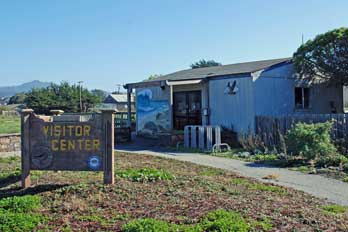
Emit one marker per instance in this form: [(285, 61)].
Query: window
[(301, 98)]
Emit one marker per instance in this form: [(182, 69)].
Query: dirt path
[(334, 191)]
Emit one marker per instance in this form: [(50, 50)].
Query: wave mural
[(152, 115)]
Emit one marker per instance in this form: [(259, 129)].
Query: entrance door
[(187, 109)]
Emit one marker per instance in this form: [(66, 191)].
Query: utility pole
[(302, 38), (118, 88), (80, 82)]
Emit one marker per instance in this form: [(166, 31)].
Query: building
[(118, 101), (231, 96)]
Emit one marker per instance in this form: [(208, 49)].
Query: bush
[(310, 140), (16, 213), (345, 167), (266, 157), (222, 220), (145, 175), (331, 160)]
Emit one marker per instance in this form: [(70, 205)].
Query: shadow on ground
[(4, 182), (18, 191)]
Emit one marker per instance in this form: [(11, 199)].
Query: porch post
[(205, 104), (129, 107), (171, 107)]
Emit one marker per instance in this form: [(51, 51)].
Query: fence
[(122, 130), (269, 129), (10, 113)]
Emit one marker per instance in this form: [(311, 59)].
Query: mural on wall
[(152, 115)]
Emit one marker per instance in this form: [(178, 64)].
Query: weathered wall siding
[(233, 111), (10, 142), (320, 97), (274, 96)]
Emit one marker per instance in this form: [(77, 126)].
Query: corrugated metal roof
[(121, 97), (230, 69)]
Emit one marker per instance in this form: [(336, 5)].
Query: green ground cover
[(158, 194), (9, 125)]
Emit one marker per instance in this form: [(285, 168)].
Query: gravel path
[(332, 190)]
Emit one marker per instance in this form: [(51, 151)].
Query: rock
[(313, 171), (244, 154), (282, 155), (334, 168)]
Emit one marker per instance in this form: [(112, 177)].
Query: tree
[(204, 63), (100, 93), (325, 58), (63, 97), (18, 98), (152, 77)]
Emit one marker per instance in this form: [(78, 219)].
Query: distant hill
[(7, 91)]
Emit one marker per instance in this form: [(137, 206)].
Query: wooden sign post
[(67, 142)]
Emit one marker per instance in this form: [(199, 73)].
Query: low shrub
[(145, 175), (153, 225), (16, 213), (18, 222), (146, 225), (222, 220), (345, 167), (20, 204), (331, 160), (310, 141), (335, 209), (265, 157), (251, 142), (259, 186), (218, 220)]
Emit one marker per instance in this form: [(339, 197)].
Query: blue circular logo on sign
[(94, 162)]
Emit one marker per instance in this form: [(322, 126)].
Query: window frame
[(303, 105)]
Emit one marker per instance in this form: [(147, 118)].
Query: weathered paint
[(322, 96), (232, 111), (272, 93), (65, 144)]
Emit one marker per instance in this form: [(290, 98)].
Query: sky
[(108, 42)]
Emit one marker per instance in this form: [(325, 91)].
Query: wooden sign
[(68, 142)]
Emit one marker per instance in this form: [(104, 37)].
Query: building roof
[(230, 69), (121, 97)]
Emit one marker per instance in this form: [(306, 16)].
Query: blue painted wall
[(271, 93), (274, 91), (232, 111)]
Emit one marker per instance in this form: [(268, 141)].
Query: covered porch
[(165, 107)]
